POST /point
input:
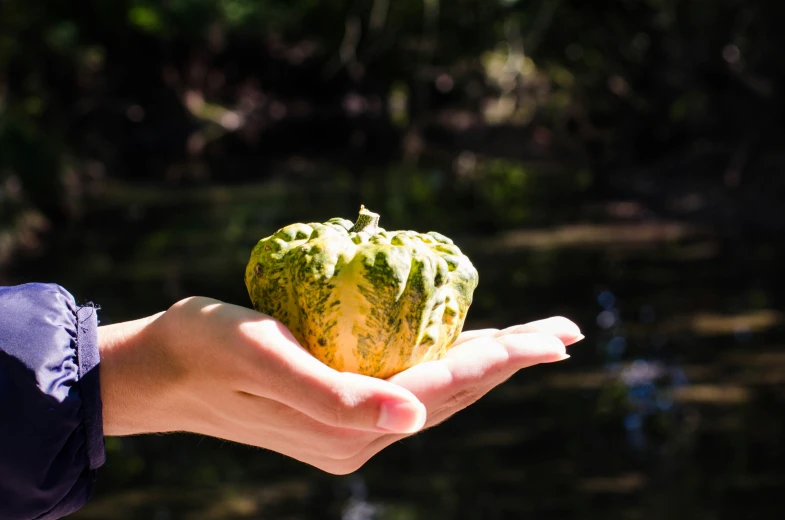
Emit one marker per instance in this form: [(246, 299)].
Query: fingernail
[(401, 416), (579, 337)]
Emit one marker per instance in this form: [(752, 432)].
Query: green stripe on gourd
[(362, 299)]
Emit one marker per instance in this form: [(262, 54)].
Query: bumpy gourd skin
[(368, 301)]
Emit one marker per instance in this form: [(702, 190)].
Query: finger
[(469, 335), (269, 424), (286, 372), (478, 366), (473, 369), (476, 362), (296, 434), (523, 348), (564, 329)]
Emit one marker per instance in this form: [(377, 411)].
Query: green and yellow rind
[(370, 301)]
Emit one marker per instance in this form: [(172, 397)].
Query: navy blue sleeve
[(51, 430)]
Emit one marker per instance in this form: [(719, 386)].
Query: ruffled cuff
[(90, 384)]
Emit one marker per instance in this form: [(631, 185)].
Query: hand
[(229, 372), (479, 361)]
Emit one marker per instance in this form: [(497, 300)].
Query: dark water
[(672, 407)]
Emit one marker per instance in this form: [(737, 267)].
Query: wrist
[(135, 375)]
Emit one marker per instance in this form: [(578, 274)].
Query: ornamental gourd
[(362, 299)]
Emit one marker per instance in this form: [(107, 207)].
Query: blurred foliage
[(185, 91)]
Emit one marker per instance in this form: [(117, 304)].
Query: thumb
[(291, 375)]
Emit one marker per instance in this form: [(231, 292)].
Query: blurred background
[(619, 162)]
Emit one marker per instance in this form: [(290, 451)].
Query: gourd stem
[(368, 221)]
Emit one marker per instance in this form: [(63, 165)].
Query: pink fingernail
[(401, 416)]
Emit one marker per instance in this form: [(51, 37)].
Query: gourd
[(362, 299)]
